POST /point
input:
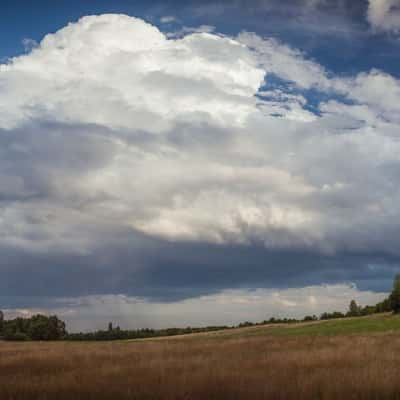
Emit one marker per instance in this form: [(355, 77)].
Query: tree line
[(41, 327), (37, 327), (120, 334)]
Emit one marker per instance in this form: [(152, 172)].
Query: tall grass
[(268, 367)]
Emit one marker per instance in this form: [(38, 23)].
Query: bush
[(17, 336), (310, 318), (333, 315)]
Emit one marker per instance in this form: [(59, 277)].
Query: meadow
[(316, 360), (352, 358), (385, 322)]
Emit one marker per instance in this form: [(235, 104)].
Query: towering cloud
[(112, 132)]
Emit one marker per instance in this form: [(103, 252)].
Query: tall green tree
[(395, 295), (354, 309)]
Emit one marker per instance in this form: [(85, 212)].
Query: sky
[(195, 163)]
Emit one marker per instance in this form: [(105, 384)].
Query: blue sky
[(336, 33), (157, 159)]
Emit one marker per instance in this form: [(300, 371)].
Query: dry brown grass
[(341, 367)]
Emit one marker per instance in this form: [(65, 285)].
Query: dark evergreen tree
[(395, 295), (354, 309)]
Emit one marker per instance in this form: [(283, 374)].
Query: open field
[(343, 326), (308, 361)]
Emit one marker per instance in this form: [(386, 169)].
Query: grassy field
[(341, 359), (346, 326)]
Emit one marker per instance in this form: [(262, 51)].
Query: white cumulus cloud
[(110, 123), (384, 15)]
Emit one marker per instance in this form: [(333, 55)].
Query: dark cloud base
[(165, 271)]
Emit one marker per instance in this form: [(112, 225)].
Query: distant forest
[(42, 327)]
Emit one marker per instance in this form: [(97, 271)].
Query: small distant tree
[(395, 295), (110, 327), (354, 309)]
